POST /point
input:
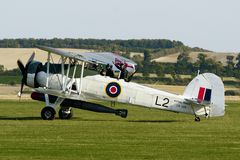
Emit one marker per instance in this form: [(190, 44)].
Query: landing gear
[(48, 113), (65, 113), (197, 119)]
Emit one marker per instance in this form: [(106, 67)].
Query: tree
[(238, 61), (205, 64), (229, 69), (201, 62), (1, 68), (183, 57), (158, 69), (146, 63), (147, 56), (218, 68), (230, 60), (183, 65)]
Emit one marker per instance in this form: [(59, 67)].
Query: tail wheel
[(48, 113), (65, 113), (197, 119)]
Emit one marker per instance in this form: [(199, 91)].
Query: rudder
[(207, 89)]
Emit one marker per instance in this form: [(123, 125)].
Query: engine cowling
[(33, 69)]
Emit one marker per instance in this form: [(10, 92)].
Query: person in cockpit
[(109, 71)]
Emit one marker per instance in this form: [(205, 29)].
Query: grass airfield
[(145, 134)]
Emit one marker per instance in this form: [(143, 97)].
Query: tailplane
[(207, 90)]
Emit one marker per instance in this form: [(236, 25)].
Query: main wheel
[(48, 113), (65, 113)]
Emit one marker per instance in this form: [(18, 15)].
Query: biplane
[(70, 83)]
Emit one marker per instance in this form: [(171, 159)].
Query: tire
[(197, 119), (48, 113), (63, 113)]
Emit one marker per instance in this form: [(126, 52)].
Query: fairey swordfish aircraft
[(64, 84)]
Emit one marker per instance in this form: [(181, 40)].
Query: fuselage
[(109, 89)]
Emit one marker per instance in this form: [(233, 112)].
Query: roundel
[(113, 89)]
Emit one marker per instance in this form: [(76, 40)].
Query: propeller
[(24, 72)]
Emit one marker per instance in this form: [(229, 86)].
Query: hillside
[(218, 56), (12, 49), (9, 56)]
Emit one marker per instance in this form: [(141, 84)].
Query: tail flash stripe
[(208, 94), (201, 94)]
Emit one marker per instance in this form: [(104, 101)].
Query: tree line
[(132, 45), (185, 66), (151, 48)]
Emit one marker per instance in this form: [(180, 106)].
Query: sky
[(209, 24)]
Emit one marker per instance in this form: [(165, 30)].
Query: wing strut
[(48, 64), (47, 82), (63, 79), (73, 77), (81, 80), (68, 70)]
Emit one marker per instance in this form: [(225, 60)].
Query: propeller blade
[(24, 72), (21, 66), (21, 89), (31, 58)]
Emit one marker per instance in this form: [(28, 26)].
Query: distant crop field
[(11, 55), (145, 134), (218, 56)]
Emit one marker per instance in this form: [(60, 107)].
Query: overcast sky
[(210, 24)]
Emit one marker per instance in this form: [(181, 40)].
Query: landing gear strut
[(48, 113), (65, 113), (197, 119)]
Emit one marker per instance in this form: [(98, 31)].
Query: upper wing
[(62, 53), (105, 57), (91, 57)]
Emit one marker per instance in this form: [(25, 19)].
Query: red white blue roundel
[(113, 89)]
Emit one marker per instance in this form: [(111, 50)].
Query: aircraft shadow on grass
[(155, 121), (133, 121), (19, 118), (93, 120)]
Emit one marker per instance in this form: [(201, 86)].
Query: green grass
[(145, 134)]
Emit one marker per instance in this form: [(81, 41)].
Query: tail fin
[(207, 89)]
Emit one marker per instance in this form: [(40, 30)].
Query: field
[(12, 54), (145, 134), (218, 56)]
